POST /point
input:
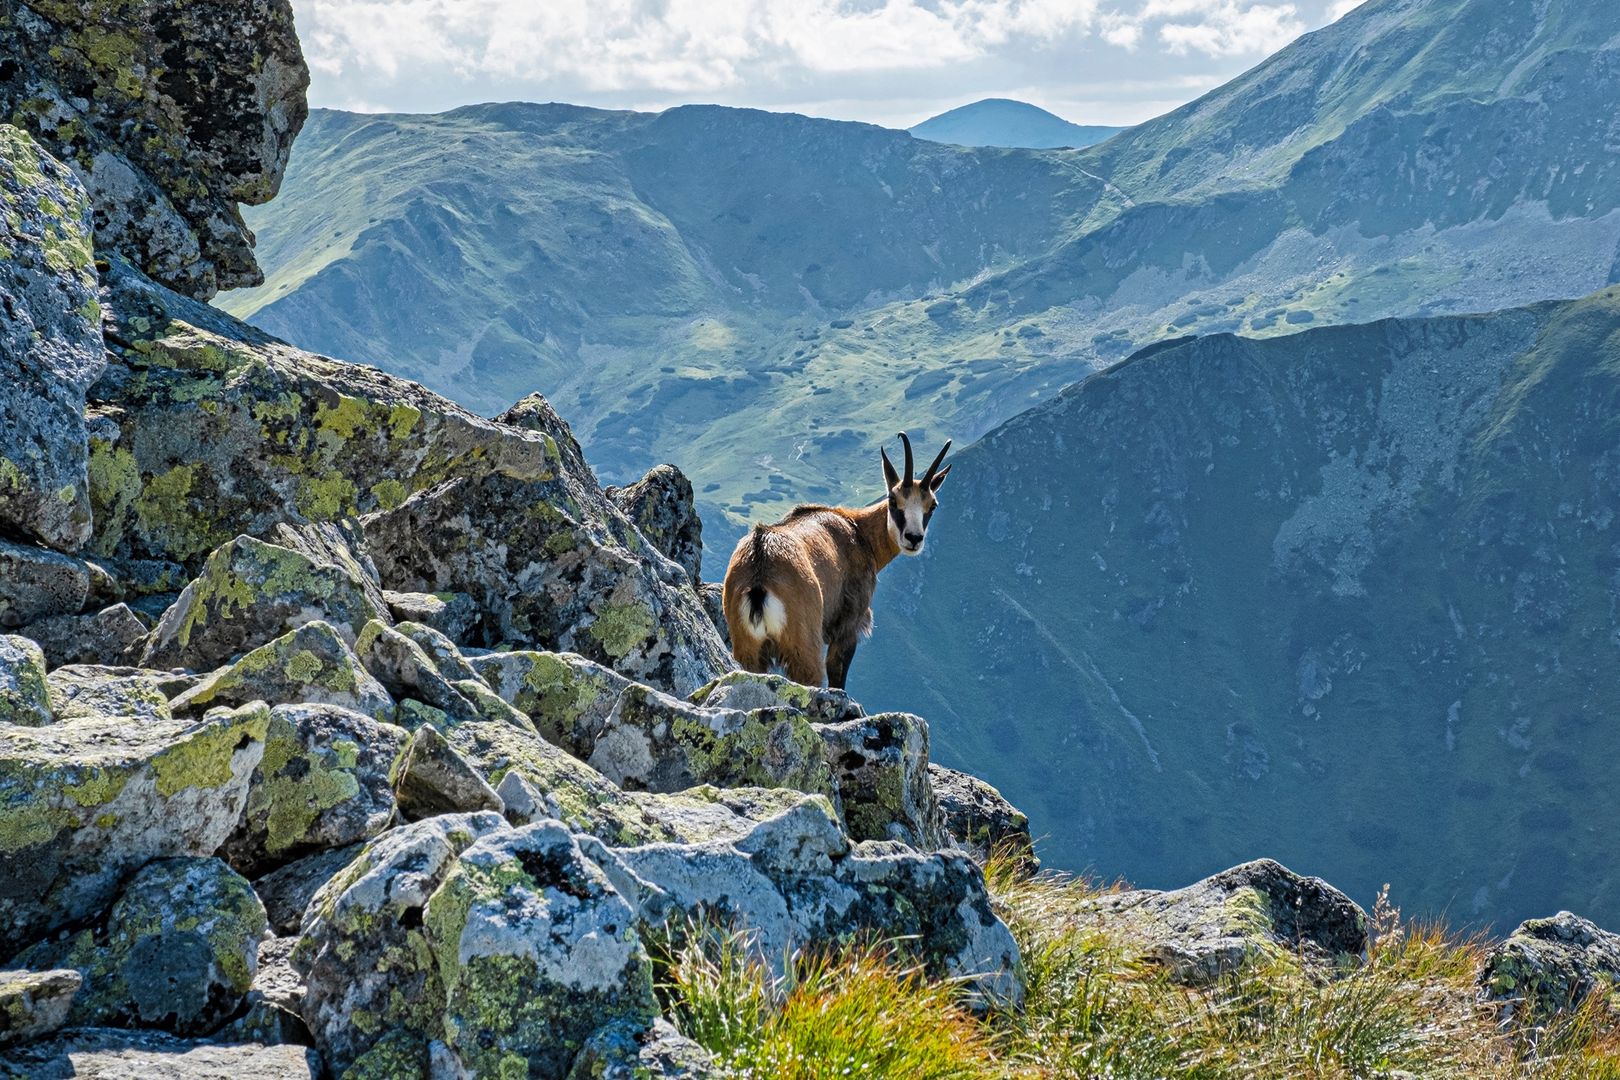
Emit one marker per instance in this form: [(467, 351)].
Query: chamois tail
[(763, 615)]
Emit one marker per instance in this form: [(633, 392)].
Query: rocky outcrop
[(1550, 966), (36, 583), (660, 507), (50, 344), (1212, 928), (152, 1055), (979, 820), (170, 114), (25, 696), (113, 635), (312, 664)]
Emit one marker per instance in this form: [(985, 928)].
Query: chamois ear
[(939, 478), (891, 479)]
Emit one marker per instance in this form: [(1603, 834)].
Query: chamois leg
[(750, 653), (839, 655), (803, 661)]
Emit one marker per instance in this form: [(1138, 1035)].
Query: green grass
[(1093, 1011)]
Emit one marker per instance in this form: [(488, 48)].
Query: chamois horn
[(910, 473), (928, 476)]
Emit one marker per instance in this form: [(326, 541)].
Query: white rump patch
[(771, 621)]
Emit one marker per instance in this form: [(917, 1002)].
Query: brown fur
[(822, 563)]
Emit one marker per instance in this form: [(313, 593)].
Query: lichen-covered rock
[(1549, 966), (170, 113), (880, 768), (706, 813), (434, 779), (453, 614), (627, 1050), (368, 964), (271, 1013), (796, 882), (554, 566), (250, 592), (407, 671), (654, 742), (325, 781), (111, 636), (35, 1003), (312, 664), (25, 695), (660, 506), (444, 653), (713, 596), (50, 343), (536, 950), (568, 697), (748, 690), (83, 803), (79, 691), (287, 436), (287, 890), (37, 584), (178, 951), (115, 1054), (1213, 927), (974, 815)]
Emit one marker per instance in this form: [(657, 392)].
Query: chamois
[(798, 593)]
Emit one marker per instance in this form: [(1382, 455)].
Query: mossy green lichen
[(623, 627), (206, 757)]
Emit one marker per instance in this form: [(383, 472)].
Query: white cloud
[(1340, 8), (1224, 27)]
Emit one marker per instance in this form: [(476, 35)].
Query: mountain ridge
[(1009, 123)]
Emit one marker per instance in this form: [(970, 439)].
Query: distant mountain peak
[(1010, 123)]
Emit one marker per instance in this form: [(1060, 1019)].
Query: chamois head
[(912, 501)]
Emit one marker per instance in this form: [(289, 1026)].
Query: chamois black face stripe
[(898, 514), (926, 515)]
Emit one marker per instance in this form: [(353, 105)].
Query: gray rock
[(80, 691), (1549, 966), (406, 670), (312, 664), (626, 1050), (271, 1015), (287, 890), (713, 596), (748, 690), (1215, 926), (434, 779), (521, 802), (85, 802), (110, 636), (25, 695), (166, 150), (112, 1054), (660, 506), (38, 584), (880, 768), (179, 950), (453, 614), (35, 1003), (364, 950), (976, 817), (50, 344), (325, 781), (568, 697), (444, 653), (251, 592)]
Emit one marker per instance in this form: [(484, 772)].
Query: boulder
[(113, 1054), (1549, 966), (748, 690), (287, 436), (312, 665), (50, 343), (325, 781), (33, 1004), (628, 1050), (251, 592), (552, 565), (165, 146), (38, 584), (364, 951), (444, 653), (111, 636), (288, 889), (977, 819), (271, 1012), (80, 691), (83, 803), (880, 769), (453, 614), (568, 697), (713, 596), (179, 950), (654, 742), (660, 506), (434, 779), (406, 670), (537, 950), (796, 882), (25, 695), (1215, 926)]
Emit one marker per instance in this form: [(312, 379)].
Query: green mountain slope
[(1346, 597), (1003, 122), (819, 284)]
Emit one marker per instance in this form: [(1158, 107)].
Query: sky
[(890, 62)]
